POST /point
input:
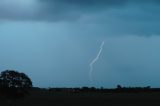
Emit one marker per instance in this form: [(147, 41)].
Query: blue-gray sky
[(54, 41)]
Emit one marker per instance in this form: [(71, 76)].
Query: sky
[(54, 41)]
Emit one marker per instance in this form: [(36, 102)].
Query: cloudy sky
[(54, 41)]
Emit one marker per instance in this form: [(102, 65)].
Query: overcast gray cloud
[(99, 2), (98, 17), (60, 10)]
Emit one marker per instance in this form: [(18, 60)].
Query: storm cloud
[(60, 10), (127, 17)]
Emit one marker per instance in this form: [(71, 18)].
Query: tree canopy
[(14, 79), (14, 84)]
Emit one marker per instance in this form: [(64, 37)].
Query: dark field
[(55, 98)]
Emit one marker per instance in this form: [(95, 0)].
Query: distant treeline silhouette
[(118, 89)]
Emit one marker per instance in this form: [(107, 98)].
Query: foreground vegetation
[(16, 90), (61, 97)]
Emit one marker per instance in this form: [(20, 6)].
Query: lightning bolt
[(95, 60)]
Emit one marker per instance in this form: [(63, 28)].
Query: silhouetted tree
[(14, 84), (119, 87)]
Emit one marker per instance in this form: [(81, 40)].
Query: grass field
[(49, 98)]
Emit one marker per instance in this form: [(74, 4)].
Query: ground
[(50, 98)]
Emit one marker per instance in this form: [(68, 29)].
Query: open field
[(50, 98)]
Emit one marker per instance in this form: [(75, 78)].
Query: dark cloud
[(133, 17), (59, 10), (88, 3), (98, 2), (71, 10)]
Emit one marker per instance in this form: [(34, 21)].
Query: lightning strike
[(95, 60)]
